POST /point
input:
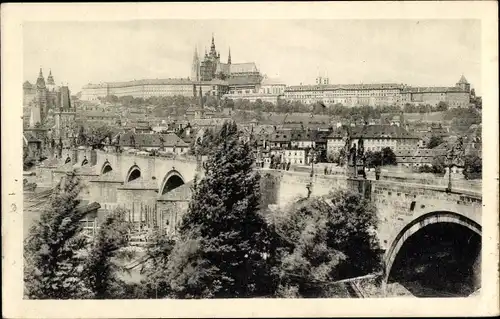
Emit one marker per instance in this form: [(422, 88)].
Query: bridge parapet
[(400, 203)]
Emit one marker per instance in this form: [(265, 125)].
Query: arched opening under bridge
[(171, 181), (440, 257)]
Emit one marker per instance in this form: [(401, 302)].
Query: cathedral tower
[(51, 85), (41, 96), (195, 67)]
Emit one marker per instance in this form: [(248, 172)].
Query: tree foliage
[(101, 268), (379, 158), (435, 141), (155, 282), (54, 250), (473, 167), (224, 241), (329, 238)]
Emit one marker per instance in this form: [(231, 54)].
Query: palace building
[(379, 94)]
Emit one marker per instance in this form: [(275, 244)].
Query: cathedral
[(211, 68), (43, 96)]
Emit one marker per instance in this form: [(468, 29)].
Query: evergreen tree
[(100, 270), (225, 247), (54, 249)]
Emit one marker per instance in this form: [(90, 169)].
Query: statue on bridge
[(345, 153), (352, 155), (361, 158)]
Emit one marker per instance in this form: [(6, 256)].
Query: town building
[(418, 157), (381, 94), (375, 138)]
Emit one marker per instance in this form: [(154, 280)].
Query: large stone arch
[(133, 173), (106, 168), (172, 179), (420, 223)]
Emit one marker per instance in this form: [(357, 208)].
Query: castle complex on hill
[(209, 75), (244, 81)]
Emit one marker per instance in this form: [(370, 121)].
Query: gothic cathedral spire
[(195, 67), (212, 47), (229, 57)]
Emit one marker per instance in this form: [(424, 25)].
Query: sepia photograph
[(221, 158)]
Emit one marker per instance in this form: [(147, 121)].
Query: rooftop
[(152, 140), (374, 131)]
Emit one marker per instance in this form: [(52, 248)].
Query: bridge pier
[(361, 186)]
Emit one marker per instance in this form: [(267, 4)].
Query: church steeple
[(195, 56), (40, 82), (229, 57), (50, 79), (212, 47), (195, 67)]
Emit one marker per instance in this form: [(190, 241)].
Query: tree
[(379, 158), (225, 246), (473, 167), (435, 141), (388, 156), (409, 108), (154, 268), (54, 249), (373, 159), (438, 165), (442, 106), (328, 238), (100, 270)]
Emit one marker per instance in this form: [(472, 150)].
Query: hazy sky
[(419, 53)]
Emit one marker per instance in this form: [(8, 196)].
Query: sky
[(413, 52)]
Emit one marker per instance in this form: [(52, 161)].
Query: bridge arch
[(172, 179), (423, 227), (106, 168), (133, 173)]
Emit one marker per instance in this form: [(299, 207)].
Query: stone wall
[(284, 187), (104, 191), (127, 196)]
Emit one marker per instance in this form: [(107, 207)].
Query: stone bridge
[(407, 205), (408, 208)]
